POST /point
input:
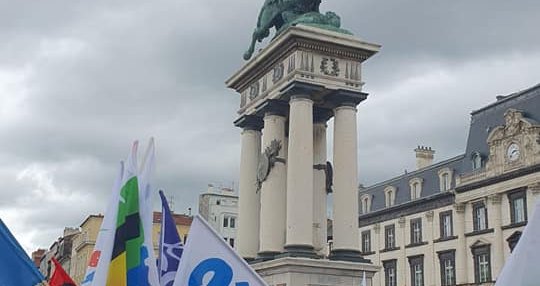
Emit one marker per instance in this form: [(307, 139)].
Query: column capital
[(300, 89), (534, 188), (249, 122), (343, 97), (459, 207), (272, 107), (495, 199), (429, 215), (321, 115)]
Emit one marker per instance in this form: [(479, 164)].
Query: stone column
[(249, 198), (300, 178), (273, 188), (495, 222), (345, 209), (430, 265), (319, 187), (461, 250)]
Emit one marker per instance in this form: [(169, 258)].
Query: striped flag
[(170, 245), (131, 263)]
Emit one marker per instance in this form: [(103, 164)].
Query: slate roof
[(483, 121)]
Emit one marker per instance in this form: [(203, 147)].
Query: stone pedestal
[(304, 271)]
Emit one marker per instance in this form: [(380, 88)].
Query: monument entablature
[(322, 59)]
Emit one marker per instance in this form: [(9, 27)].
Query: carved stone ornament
[(267, 161), (279, 70), (254, 90), (332, 70)]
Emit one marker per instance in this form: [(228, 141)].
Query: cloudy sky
[(80, 80)]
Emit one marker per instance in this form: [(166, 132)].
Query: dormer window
[(477, 161), (445, 179), (389, 196), (365, 201), (416, 188)]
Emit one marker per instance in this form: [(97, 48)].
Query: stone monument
[(309, 73)]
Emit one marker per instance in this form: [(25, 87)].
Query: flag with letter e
[(521, 268), (16, 268), (207, 256), (170, 245), (60, 277)]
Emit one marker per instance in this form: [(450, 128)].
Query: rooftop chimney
[(424, 156)]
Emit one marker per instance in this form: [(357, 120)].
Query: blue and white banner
[(170, 246), (208, 260)]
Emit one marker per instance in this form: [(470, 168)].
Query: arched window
[(389, 196), (477, 161), (445, 179), (365, 201), (416, 188)]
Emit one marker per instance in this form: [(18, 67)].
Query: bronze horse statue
[(276, 14)]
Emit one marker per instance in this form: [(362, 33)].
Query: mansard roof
[(483, 121)]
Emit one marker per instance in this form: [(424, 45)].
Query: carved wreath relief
[(332, 70), (267, 161)]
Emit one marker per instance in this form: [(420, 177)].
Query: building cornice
[(405, 209), (499, 178)]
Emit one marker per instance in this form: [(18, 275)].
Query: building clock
[(512, 153)]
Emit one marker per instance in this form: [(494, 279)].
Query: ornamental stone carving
[(330, 66), (267, 161)]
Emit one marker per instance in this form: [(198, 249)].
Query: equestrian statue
[(282, 14)]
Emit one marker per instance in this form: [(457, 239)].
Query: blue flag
[(16, 268), (170, 246)]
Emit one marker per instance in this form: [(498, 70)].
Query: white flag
[(208, 260), (146, 212), (98, 266), (521, 268)]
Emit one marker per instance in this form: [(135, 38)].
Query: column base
[(347, 255), (265, 256), (299, 250)]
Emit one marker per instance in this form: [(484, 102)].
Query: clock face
[(513, 152)]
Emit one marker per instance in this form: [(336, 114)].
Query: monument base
[(294, 271)]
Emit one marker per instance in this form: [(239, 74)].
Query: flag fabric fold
[(98, 265), (170, 245), (206, 254), (60, 277), (521, 268), (16, 268)]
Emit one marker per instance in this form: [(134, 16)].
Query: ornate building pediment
[(514, 145)]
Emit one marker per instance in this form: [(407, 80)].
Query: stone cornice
[(499, 178), (406, 209)]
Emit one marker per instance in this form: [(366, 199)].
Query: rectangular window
[(366, 241), (390, 272), (390, 236), (416, 231), (231, 242), (482, 264), (417, 270), (232, 222), (479, 216), (225, 222), (447, 264), (518, 206), (445, 223)]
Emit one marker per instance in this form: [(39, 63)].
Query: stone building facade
[(455, 222), (219, 206)]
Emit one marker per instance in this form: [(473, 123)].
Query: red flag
[(60, 277)]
